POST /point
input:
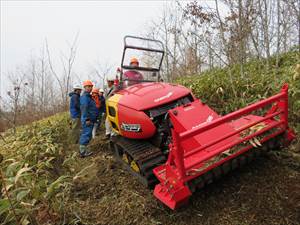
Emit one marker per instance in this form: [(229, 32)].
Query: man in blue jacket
[(75, 113), (88, 118)]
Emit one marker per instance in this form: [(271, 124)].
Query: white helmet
[(110, 77), (101, 90), (77, 86)]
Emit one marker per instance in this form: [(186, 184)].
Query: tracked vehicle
[(176, 143)]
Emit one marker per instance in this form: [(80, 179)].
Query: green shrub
[(31, 170)]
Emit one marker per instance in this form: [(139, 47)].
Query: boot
[(86, 154), (83, 150)]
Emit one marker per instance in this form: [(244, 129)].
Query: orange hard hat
[(95, 90), (87, 83), (134, 60)]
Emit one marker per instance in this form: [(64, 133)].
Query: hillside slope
[(47, 183)]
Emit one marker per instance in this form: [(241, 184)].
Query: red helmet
[(95, 90)]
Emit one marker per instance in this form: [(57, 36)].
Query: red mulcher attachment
[(203, 141)]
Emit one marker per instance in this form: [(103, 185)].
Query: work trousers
[(75, 130), (86, 133)]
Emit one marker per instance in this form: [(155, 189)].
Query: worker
[(75, 113), (102, 106), (96, 98), (133, 76), (111, 89), (88, 118)]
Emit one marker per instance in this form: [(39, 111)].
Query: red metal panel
[(203, 157), (234, 115), (193, 117), (148, 95), (237, 124), (131, 116)]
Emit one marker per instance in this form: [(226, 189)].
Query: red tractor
[(176, 143)]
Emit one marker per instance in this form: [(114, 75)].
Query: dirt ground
[(267, 191)]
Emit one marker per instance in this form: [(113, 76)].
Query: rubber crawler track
[(146, 156)]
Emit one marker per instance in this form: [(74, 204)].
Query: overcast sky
[(101, 26)]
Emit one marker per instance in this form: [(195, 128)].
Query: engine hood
[(148, 95)]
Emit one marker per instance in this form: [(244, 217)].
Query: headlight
[(131, 127), (111, 111)]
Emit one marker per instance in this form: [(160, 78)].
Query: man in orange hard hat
[(133, 76), (88, 118)]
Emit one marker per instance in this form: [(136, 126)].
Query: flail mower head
[(206, 145)]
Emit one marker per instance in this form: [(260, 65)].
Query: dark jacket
[(103, 106), (88, 108), (74, 105)]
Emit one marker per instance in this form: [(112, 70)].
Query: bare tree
[(101, 70), (67, 61), (293, 7), (14, 98), (32, 94), (198, 36)]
